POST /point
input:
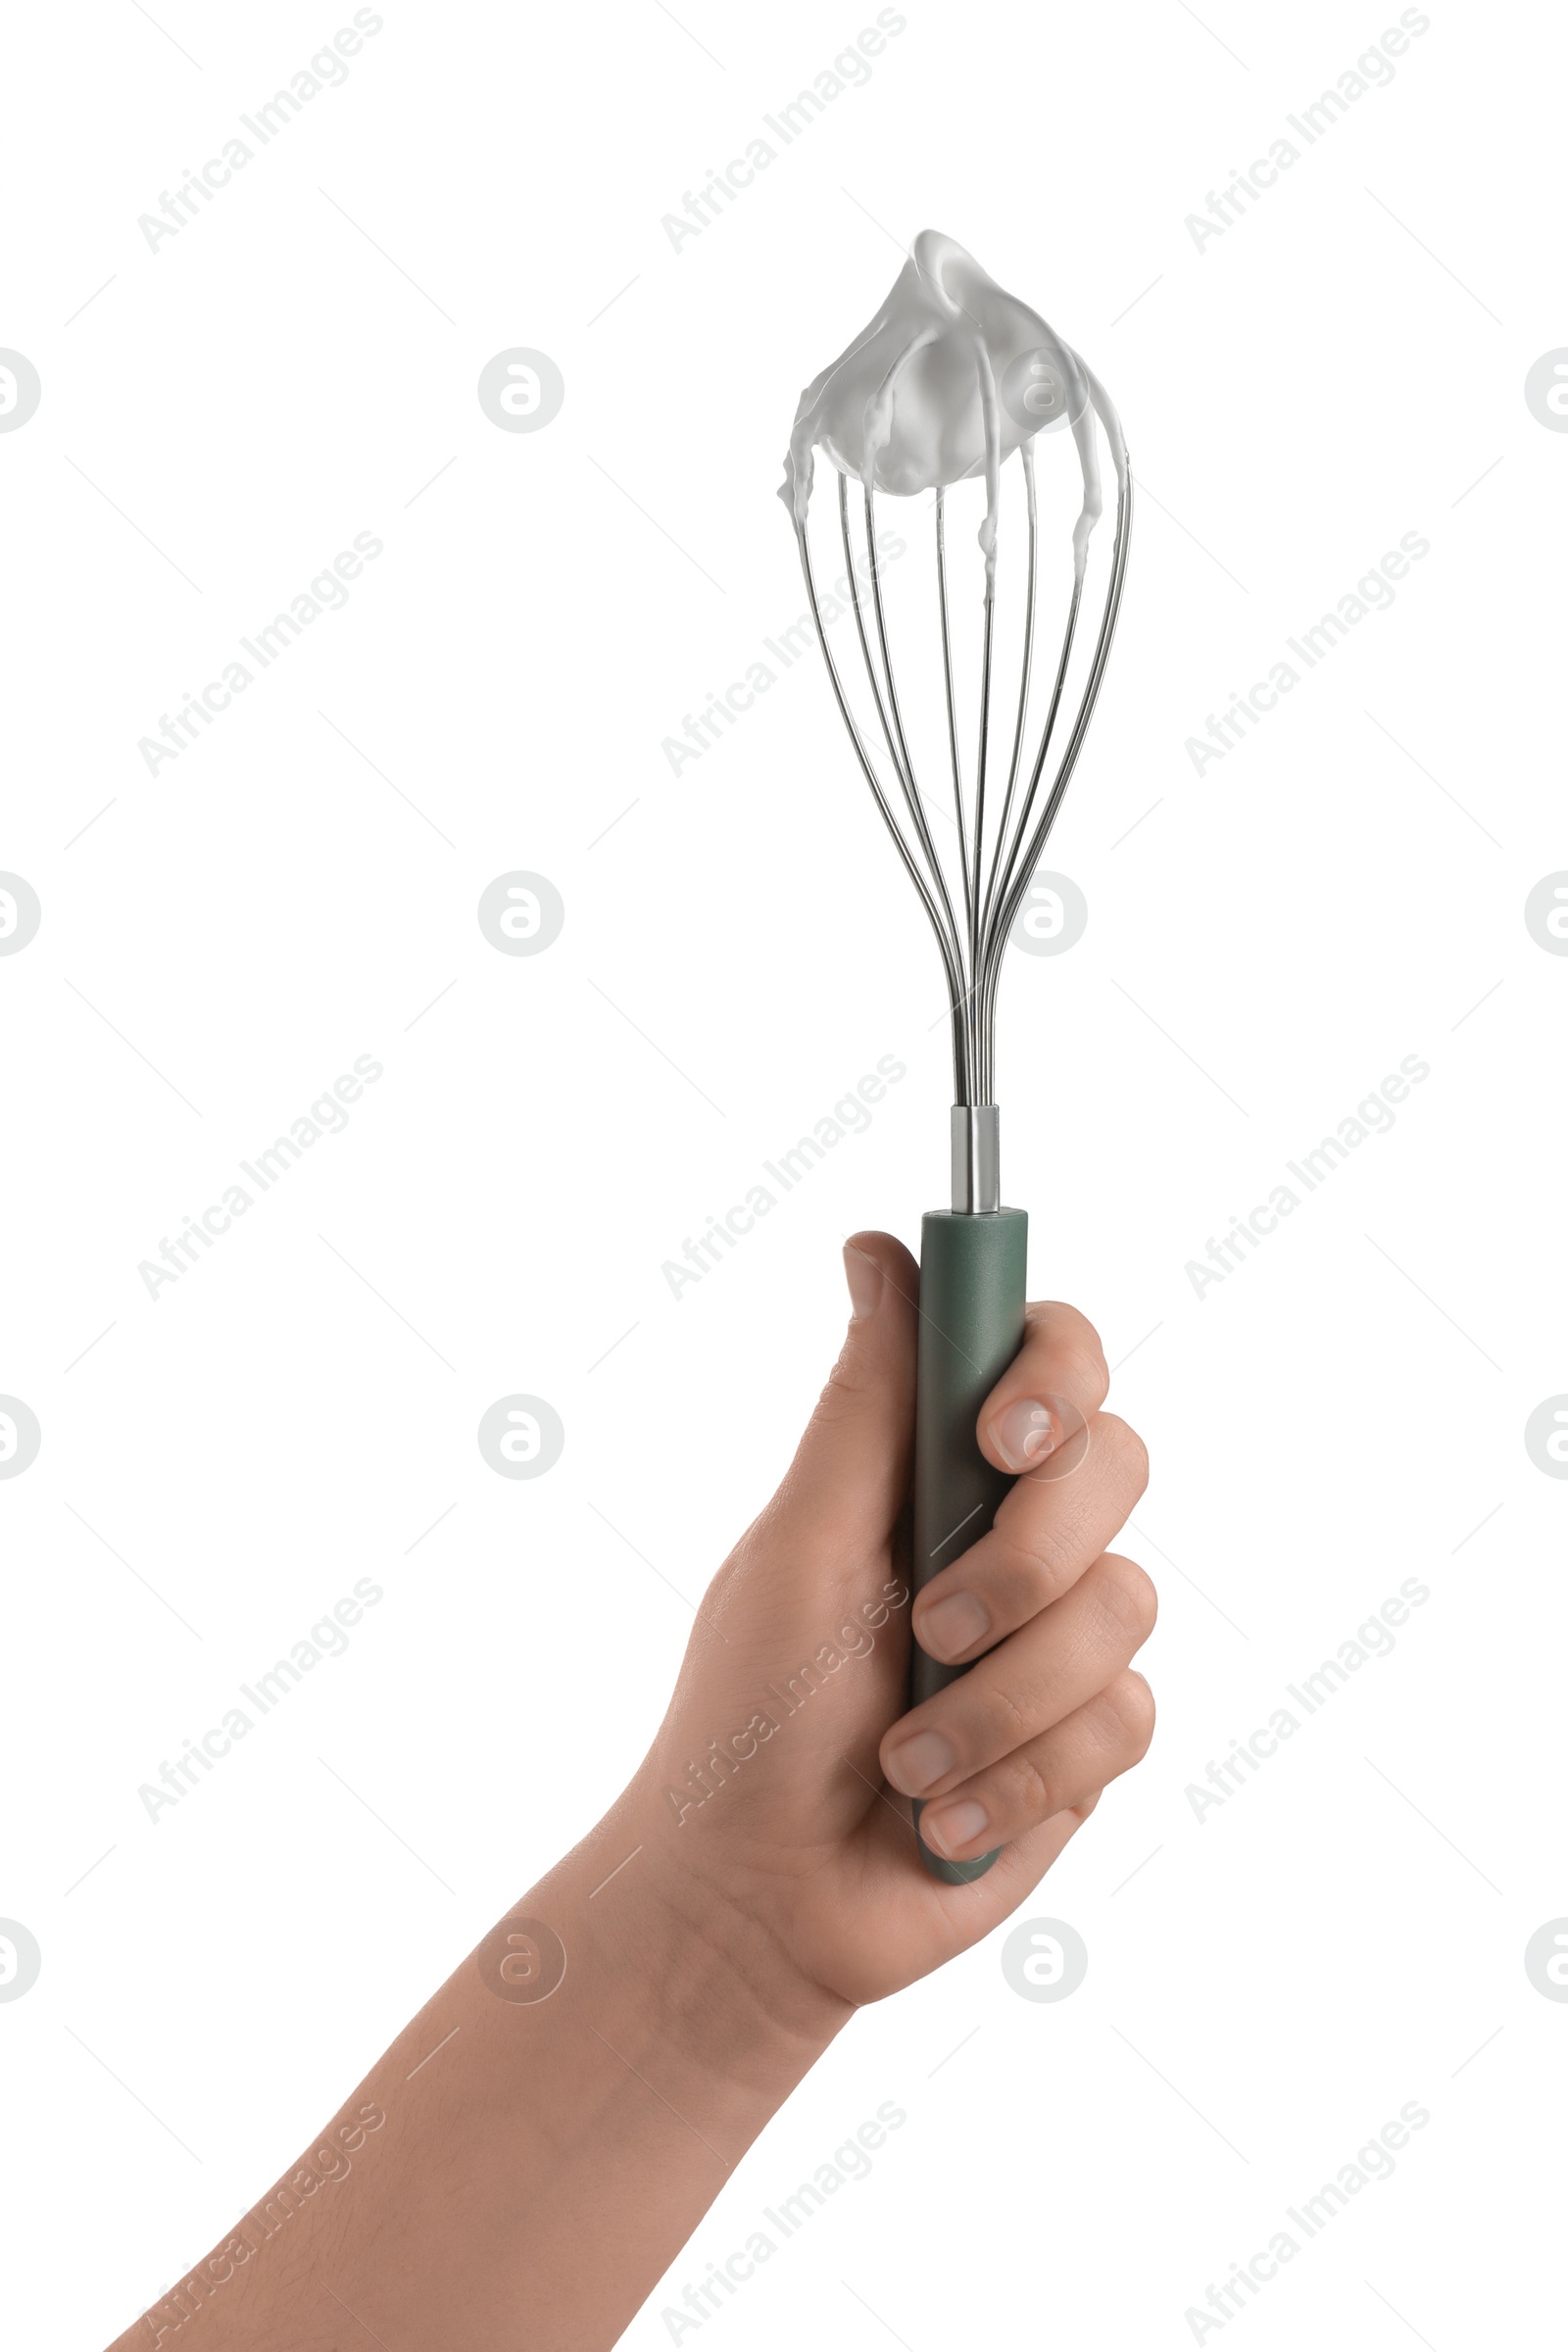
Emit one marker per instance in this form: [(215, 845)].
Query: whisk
[(951, 376)]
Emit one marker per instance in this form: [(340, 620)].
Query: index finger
[(1054, 1384)]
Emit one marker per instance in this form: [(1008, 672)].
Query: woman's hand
[(540, 2141), (776, 1791)]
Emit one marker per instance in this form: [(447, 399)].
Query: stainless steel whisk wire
[(971, 937)]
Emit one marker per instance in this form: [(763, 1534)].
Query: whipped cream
[(952, 375)]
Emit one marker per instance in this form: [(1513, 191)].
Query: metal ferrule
[(976, 1159)]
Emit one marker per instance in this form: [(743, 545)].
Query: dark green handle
[(972, 1289)]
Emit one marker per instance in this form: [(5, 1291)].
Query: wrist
[(675, 1966)]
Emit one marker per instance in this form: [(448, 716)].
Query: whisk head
[(952, 377)]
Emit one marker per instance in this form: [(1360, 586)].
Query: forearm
[(551, 2137)]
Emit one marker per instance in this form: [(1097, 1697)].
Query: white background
[(1342, 365)]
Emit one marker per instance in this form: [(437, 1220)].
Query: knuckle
[(1030, 1794), (1129, 1703), (844, 1392), (1069, 1324), (1090, 1376), (1147, 1593), (1007, 1721), (1129, 1455), (1127, 1597), (1039, 1564), (1074, 1345)]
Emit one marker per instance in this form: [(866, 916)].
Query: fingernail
[(953, 1826), (864, 1278), (1025, 1432), (951, 1626), (921, 1762)]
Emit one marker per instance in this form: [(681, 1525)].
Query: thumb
[(847, 1482)]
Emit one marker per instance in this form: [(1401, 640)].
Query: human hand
[(762, 1804), (756, 1881)]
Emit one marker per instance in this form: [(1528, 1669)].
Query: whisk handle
[(972, 1290)]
